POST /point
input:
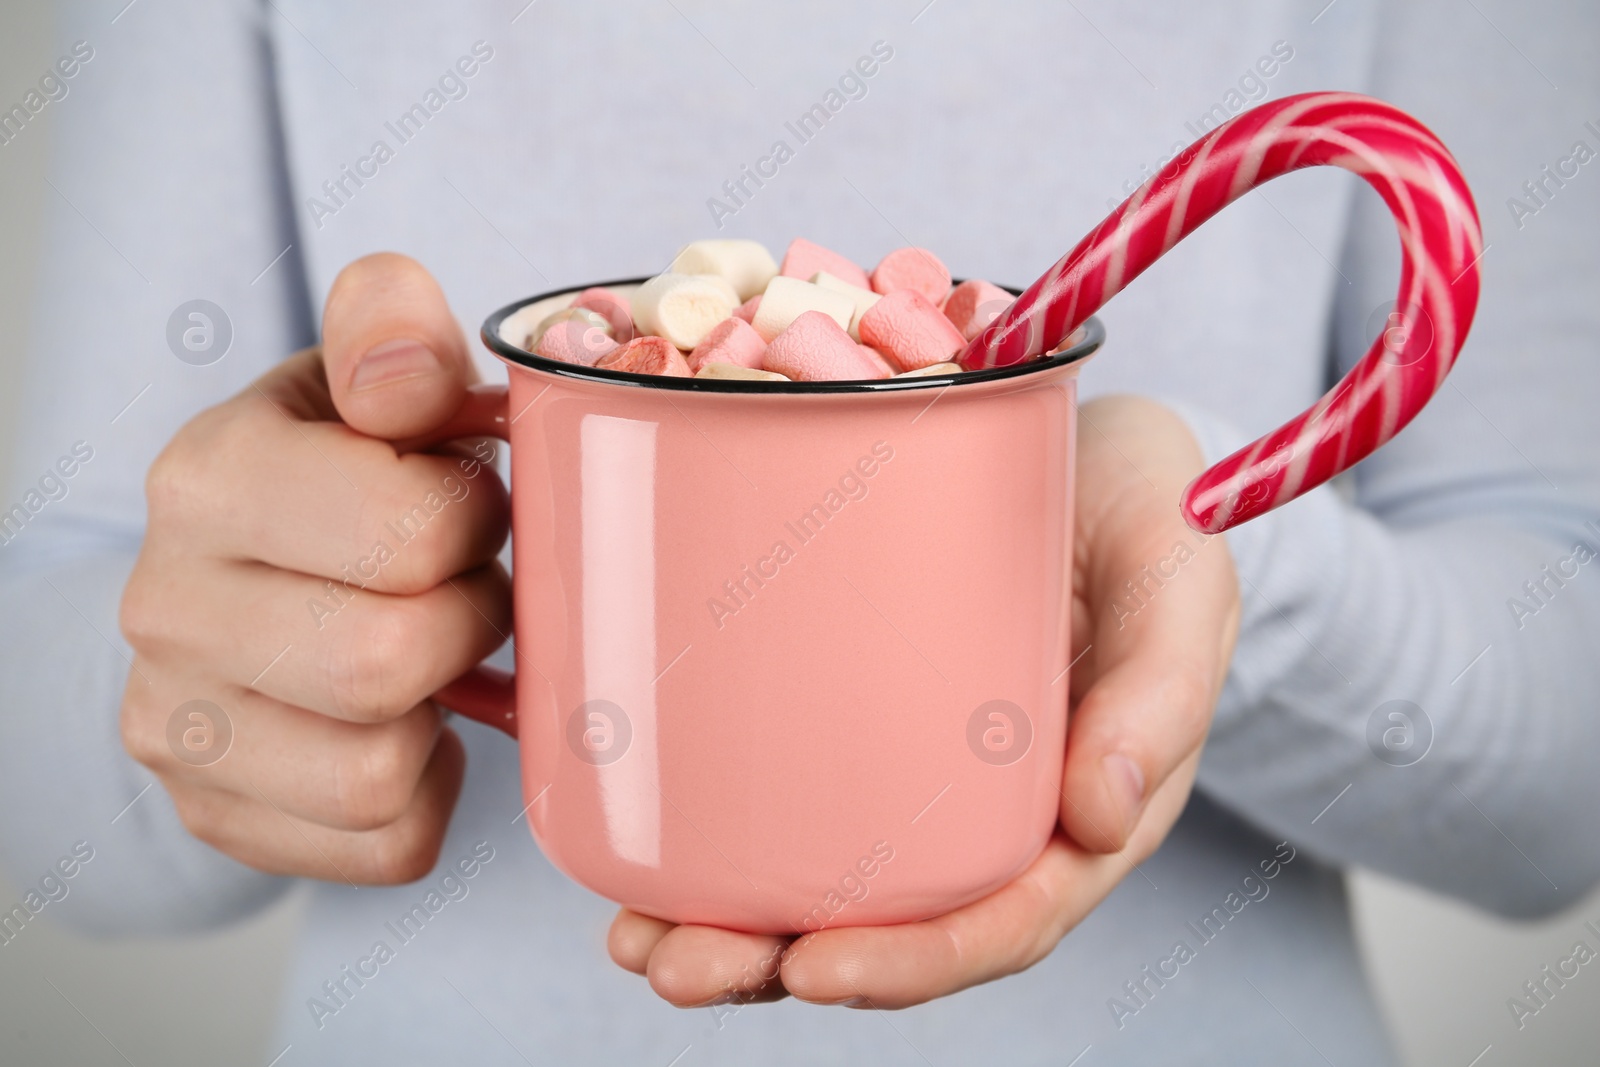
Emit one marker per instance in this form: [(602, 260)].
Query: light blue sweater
[(190, 159)]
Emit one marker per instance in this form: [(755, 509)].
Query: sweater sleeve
[(1414, 684), (143, 215)]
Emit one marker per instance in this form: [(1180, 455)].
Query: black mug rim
[(1092, 336)]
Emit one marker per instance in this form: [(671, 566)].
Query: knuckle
[(204, 813), (168, 482), (406, 851), (373, 787), (183, 481), (421, 537), (374, 670), (142, 615), (422, 566), (143, 734), (435, 520)]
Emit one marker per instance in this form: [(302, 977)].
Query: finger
[(1160, 605), (1004, 933), (397, 361), (695, 965), (346, 776), (633, 937), (259, 833), (260, 478), (352, 654), (1149, 708)]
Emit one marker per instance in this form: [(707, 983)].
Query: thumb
[(1156, 656), (396, 359)]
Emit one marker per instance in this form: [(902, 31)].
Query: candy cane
[(1440, 240)]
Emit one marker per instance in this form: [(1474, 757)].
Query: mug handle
[(485, 694)]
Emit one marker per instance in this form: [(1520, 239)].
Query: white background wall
[(1443, 973)]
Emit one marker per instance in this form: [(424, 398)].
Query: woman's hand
[(316, 585), (1151, 658)]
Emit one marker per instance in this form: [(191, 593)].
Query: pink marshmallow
[(747, 310), (815, 348), (804, 259), (647, 355), (912, 268), (974, 304), (616, 310), (575, 342), (732, 341), (910, 332), (872, 356)]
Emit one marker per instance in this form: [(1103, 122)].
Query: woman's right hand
[(317, 586)]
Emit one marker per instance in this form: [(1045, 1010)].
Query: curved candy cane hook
[(1441, 243)]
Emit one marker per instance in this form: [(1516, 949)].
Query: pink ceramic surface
[(789, 655)]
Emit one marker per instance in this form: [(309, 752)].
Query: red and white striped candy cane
[(1440, 240)]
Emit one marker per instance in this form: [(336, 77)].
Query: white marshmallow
[(932, 370), (682, 307), (583, 315), (715, 369), (864, 298), (786, 299), (747, 265)]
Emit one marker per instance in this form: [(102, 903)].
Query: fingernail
[(392, 361), (1127, 787)]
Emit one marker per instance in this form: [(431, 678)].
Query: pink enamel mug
[(790, 655)]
